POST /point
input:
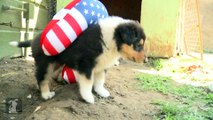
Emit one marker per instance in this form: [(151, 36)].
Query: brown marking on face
[(129, 52)]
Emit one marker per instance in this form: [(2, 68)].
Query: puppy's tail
[(21, 44)]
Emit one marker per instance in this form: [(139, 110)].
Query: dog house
[(160, 19), (172, 26), (129, 9)]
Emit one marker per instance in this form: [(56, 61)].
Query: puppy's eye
[(137, 47)]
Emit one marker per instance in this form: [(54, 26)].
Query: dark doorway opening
[(129, 9)]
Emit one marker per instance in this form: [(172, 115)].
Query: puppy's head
[(130, 39)]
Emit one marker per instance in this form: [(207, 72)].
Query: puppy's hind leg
[(43, 75), (57, 73), (99, 80)]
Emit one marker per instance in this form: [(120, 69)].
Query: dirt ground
[(126, 102)]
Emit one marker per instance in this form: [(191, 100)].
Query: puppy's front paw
[(89, 98), (48, 95), (102, 92)]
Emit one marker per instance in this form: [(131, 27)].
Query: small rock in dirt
[(124, 108), (37, 108), (121, 94), (120, 103), (125, 114), (12, 118), (110, 97), (4, 101), (103, 103), (89, 114), (29, 96)]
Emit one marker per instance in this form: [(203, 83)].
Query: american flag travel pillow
[(69, 75), (69, 23)]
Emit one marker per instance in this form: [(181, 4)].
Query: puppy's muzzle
[(139, 57), (136, 56)]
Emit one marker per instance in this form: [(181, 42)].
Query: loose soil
[(127, 102)]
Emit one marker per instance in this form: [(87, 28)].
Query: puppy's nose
[(145, 59)]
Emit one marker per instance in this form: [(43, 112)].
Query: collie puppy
[(98, 48)]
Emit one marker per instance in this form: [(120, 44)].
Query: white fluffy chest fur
[(107, 59), (110, 53)]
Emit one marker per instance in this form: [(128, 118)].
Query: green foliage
[(209, 97), (208, 51), (156, 63), (192, 103), (178, 111), (170, 110), (154, 82)]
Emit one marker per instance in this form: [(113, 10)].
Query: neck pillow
[(67, 25)]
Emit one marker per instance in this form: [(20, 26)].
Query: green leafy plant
[(154, 82), (156, 63)]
